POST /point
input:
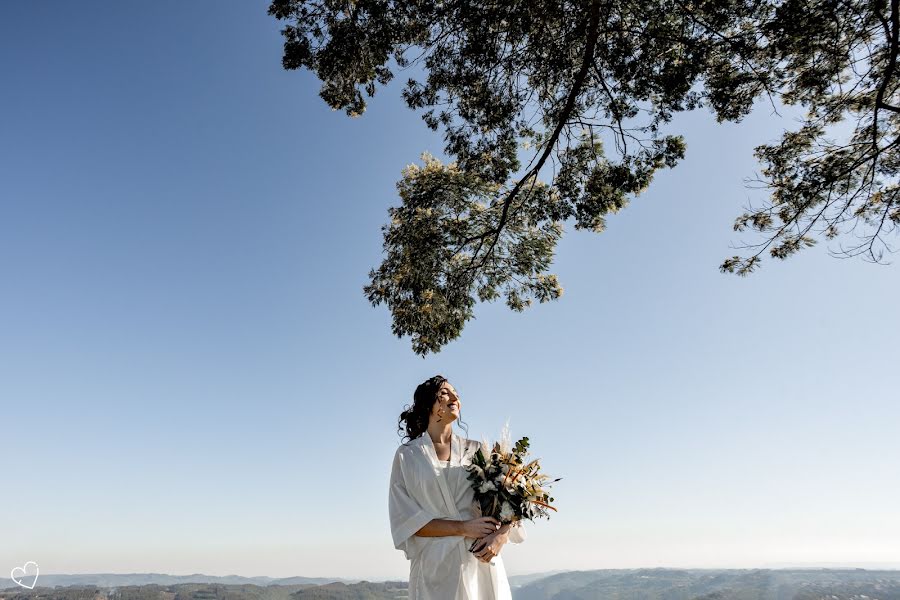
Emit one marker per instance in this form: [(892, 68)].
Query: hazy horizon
[(893, 566), (197, 384)]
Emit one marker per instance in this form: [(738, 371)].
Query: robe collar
[(456, 442)]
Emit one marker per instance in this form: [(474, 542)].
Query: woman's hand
[(489, 546), (480, 527)]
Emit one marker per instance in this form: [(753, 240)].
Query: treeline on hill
[(714, 584), (606, 584), (194, 591)]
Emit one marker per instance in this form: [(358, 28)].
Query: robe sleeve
[(406, 515), (517, 533)]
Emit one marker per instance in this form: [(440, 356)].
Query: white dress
[(423, 488)]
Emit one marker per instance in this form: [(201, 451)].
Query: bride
[(433, 514)]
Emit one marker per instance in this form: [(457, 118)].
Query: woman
[(433, 514)]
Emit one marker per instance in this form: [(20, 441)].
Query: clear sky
[(191, 379)]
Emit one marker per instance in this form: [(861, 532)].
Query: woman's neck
[(441, 433)]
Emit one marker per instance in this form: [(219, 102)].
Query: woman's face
[(446, 409)]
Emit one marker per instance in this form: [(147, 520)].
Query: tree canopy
[(554, 110)]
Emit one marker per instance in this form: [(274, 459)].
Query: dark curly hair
[(415, 417)]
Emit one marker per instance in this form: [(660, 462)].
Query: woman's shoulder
[(408, 445), (470, 445)]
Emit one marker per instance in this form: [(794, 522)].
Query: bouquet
[(506, 486)]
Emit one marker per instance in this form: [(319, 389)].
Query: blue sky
[(191, 379)]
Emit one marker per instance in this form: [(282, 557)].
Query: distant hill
[(365, 590), (216, 591), (109, 580), (607, 584), (714, 584), (520, 580)]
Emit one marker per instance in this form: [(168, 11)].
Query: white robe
[(422, 488)]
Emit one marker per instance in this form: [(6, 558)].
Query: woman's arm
[(502, 534), (441, 527), (490, 545), (507, 533), (473, 528)]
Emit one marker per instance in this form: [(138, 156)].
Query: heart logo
[(19, 578)]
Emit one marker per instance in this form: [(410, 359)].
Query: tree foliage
[(554, 110)]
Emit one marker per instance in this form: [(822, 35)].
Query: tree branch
[(574, 92)]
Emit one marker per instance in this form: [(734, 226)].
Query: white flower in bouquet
[(487, 486)]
